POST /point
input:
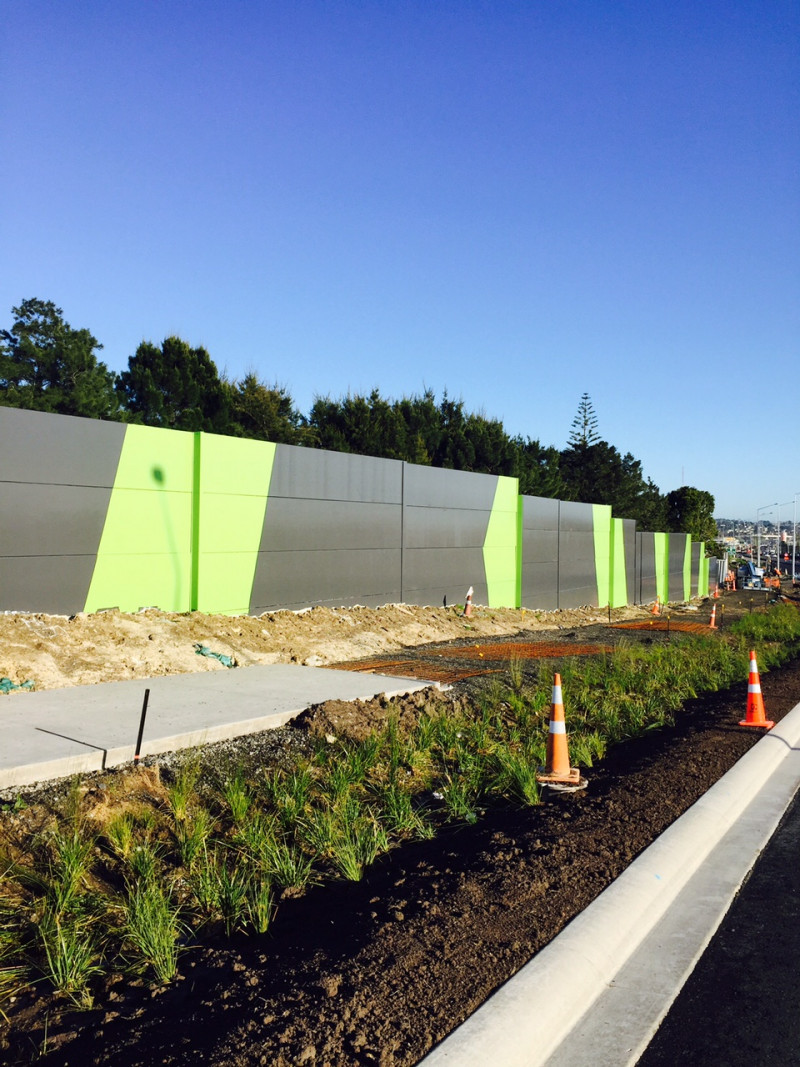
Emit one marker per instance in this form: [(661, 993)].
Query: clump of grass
[(152, 927), (71, 953)]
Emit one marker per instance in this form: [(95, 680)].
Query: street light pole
[(758, 525)]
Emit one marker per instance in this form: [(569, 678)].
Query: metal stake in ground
[(141, 726)]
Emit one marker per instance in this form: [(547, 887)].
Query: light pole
[(794, 536), (778, 542), (758, 525)]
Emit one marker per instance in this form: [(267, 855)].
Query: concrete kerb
[(533, 1014)]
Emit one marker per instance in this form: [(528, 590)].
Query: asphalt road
[(741, 1004)]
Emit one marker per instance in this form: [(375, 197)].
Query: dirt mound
[(55, 651)]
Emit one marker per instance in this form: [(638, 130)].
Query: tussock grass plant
[(174, 863), (71, 954), (152, 927)]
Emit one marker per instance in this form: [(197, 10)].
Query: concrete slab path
[(86, 728)]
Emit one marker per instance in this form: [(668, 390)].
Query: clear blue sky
[(516, 201)]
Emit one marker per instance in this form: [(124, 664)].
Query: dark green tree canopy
[(46, 365), (175, 386), (691, 511), (264, 412)]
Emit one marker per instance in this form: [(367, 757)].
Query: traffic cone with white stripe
[(756, 712), (656, 609), (713, 623), (558, 772)]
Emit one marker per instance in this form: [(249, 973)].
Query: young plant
[(152, 927), (71, 953)]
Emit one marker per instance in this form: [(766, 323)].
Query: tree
[(583, 433), (264, 412), (691, 511), (46, 365), (176, 387)]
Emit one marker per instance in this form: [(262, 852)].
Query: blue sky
[(518, 202)]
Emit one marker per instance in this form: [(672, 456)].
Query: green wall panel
[(500, 547), (231, 501), (601, 514), (145, 553), (619, 580), (662, 565)]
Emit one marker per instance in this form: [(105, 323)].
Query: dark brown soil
[(377, 972)]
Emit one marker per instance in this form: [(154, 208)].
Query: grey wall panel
[(677, 555), (52, 520), (297, 579), (577, 573), (444, 528), (445, 519), (318, 475), (646, 568), (697, 551), (629, 539), (540, 553), (58, 449), (430, 574), (55, 585), (300, 525), (433, 487)]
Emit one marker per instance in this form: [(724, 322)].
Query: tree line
[(46, 365)]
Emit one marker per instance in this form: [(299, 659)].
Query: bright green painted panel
[(500, 546), (601, 521), (233, 488), (144, 557), (156, 460), (662, 564), (619, 578)]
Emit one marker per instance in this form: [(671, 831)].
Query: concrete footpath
[(87, 728), (599, 991)]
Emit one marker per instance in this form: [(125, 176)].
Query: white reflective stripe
[(557, 698), (557, 727), (754, 688)]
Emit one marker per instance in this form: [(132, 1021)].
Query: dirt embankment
[(55, 651)]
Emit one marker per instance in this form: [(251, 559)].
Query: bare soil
[(377, 972)]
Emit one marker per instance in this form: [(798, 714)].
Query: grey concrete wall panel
[(332, 531), (434, 487), (55, 585), (52, 520), (431, 574), (629, 540), (57, 449), (697, 550), (646, 587), (294, 525), (334, 578), (539, 553), (577, 573), (313, 474), (677, 556), (445, 518), (453, 528)]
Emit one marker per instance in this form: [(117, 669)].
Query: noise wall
[(99, 515)]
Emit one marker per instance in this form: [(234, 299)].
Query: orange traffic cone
[(468, 605), (558, 772), (756, 713), (716, 591), (656, 610), (713, 623)]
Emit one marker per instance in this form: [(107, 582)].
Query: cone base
[(766, 725), (571, 778)]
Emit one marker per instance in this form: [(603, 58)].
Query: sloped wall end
[(500, 547)]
